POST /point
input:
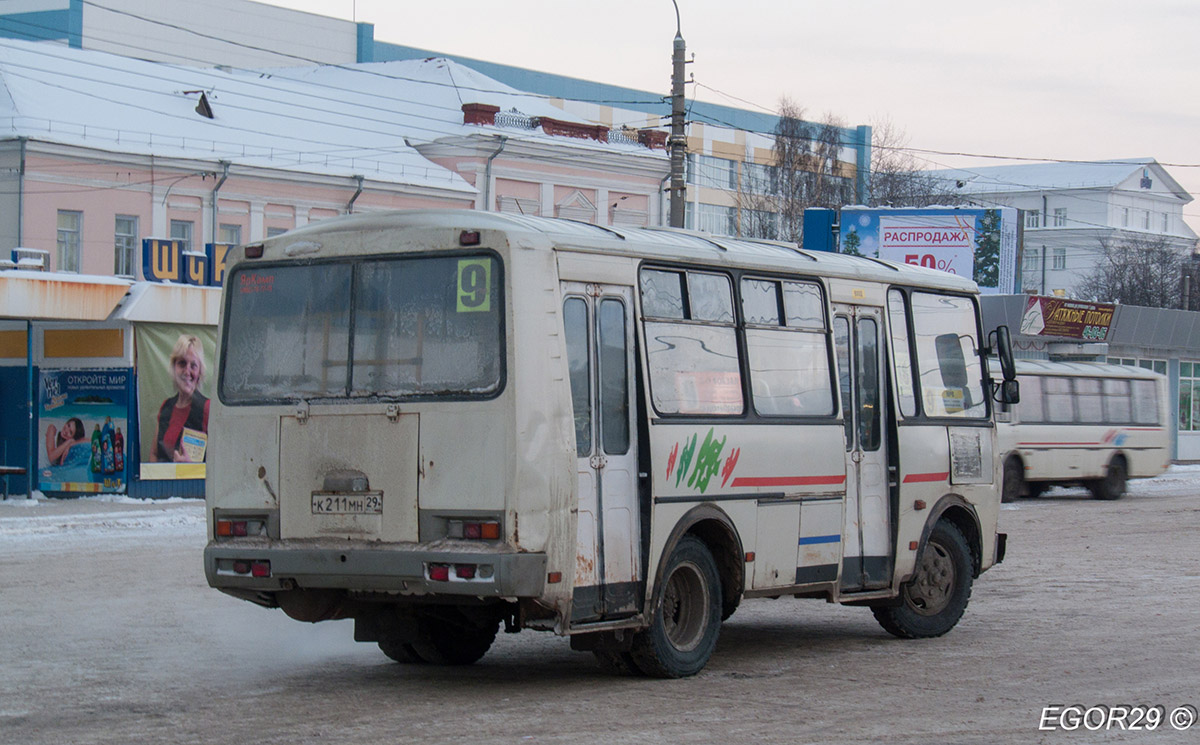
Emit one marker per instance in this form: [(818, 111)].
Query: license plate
[(365, 503)]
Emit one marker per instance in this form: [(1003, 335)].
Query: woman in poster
[(188, 408), (61, 444)]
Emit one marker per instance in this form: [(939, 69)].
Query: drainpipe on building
[(217, 188), (487, 175), (350, 204)]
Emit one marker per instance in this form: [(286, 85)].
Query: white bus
[(438, 422), (1083, 423)]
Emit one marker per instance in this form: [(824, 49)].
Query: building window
[(1033, 261), (758, 178), (1189, 396), (1060, 258), (1033, 219), (272, 232), (716, 173), (231, 234), (1145, 219), (1166, 222), (70, 228), (1060, 217), (181, 230), (125, 236), (1124, 217), (712, 218)]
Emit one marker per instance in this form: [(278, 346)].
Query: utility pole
[(678, 139)]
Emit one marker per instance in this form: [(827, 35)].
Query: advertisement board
[(175, 382), (1071, 319), (83, 422), (977, 243)]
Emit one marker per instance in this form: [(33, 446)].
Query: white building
[(1071, 210)]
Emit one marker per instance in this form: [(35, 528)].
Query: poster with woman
[(175, 367), (83, 420)]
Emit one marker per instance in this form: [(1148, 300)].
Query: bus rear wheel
[(936, 597), (687, 617), (1112, 486), (453, 638)]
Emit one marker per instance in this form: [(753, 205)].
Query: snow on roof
[(1053, 176), (342, 120)]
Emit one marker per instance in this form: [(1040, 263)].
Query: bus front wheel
[(687, 617), (1112, 486), (1014, 480), (931, 603)]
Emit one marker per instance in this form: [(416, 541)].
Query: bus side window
[(902, 355), (691, 343), (1118, 404), (1145, 402)]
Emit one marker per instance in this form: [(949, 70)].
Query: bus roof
[(1083, 369), (664, 244)]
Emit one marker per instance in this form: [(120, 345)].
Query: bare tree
[(1138, 270), (897, 179), (806, 172)]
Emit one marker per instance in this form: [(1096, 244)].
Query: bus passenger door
[(598, 320), (867, 531)]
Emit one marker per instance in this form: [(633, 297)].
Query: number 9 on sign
[(474, 285)]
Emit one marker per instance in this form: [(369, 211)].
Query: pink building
[(100, 151)]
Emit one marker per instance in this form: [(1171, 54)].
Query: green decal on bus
[(474, 285)]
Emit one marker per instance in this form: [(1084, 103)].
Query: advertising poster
[(977, 243), (1073, 319), (83, 420), (176, 366)]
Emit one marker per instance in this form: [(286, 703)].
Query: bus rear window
[(383, 328)]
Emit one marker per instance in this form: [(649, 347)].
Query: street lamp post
[(678, 139)]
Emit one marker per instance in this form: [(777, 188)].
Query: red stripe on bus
[(917, 478), (789, 480), (1060, 444)]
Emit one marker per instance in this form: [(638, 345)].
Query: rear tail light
[(260, 568), (240, 527), (485, 530), (453, 572)]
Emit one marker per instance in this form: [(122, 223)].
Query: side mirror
[(1010, 392), (1001, 342)]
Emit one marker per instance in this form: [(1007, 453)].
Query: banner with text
[(980, 244), (1072, 319)]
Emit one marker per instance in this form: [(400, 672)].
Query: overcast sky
[(1072, 79)]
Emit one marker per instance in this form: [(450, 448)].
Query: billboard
[(175, 382), (1072, 319), (83, 420), (977, 243)]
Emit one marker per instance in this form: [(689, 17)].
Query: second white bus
[(1083, 423)]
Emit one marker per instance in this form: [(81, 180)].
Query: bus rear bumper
[(255, 567)]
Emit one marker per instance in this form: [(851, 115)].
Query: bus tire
[(1112, 486), (1014, 480), (931, 603), (443, 642), (686, 619), (401, 652)]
